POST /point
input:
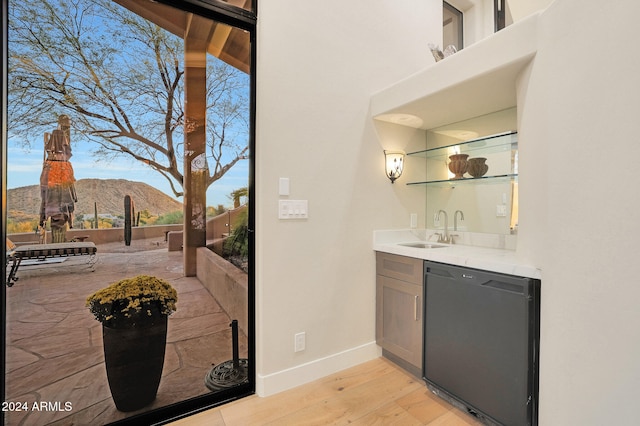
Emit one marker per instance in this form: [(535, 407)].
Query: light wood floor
[(374, 393)]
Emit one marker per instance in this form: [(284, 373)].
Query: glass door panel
[(152, 108)]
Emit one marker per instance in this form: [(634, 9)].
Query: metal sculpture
[(57, 183)]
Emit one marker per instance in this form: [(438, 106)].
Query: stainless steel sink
[(422, 245)]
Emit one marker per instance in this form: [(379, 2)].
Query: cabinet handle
[(415, 308)]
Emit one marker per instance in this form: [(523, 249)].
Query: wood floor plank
[(391, 414), (207, 418), (424, 405), (265, 410), (353, 403), (455, 418), (373, 393)]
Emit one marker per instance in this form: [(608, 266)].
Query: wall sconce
[(394, 163)]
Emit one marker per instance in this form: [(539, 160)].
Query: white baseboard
[(273, 383)]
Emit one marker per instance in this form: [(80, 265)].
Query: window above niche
[(452, 27)]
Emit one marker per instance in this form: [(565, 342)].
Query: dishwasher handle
[(466, 276), (497, 281)]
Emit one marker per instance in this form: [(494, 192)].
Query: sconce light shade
[(394, 163)]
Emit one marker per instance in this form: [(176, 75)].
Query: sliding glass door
[(150, 105)]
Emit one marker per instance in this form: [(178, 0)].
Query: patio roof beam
[(229, 44)]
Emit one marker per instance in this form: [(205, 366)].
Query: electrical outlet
[(299, 341)]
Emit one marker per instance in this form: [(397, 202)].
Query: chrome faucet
[(444, 238), (455, 219)]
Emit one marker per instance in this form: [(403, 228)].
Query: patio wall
[(101, 236), (226, 283), (217, 228)]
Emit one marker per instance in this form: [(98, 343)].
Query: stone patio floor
[(54, 345)]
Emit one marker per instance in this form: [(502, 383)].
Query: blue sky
[(24, 167), (25, 164)]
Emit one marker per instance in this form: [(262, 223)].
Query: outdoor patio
[(54, 345)]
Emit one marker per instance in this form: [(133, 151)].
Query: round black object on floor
[(229, 373), (226, 375)]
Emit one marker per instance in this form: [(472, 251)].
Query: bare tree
[(120, 80)]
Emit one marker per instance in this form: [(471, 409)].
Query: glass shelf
[(452, 183), (500, 150), (481, 146)]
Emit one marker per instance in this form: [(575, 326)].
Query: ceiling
[(229, 44)]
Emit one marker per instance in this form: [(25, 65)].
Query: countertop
[(484, 258)]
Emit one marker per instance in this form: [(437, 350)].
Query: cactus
[(95, 214), (128, 216)]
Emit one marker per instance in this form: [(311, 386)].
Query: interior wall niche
[(478, 200)]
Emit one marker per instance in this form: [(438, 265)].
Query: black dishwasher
[(481, 342)]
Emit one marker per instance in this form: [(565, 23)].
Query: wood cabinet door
[(399, 318)]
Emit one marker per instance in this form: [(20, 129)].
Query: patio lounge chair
[(40, 252)]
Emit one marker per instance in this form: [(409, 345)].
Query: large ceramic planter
[(134, 358)]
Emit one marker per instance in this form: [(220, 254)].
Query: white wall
[(579, 206), (478, 18), (578, 112), (318, 64), (522, 8)]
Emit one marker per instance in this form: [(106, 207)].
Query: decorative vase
[(476, 166), (134, 358), (458, 165)]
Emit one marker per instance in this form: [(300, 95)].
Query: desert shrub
[(170, 218), (236, 247), (16, 227)]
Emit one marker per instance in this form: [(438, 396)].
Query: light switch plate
[(300, 342), (283, 186), (293, 209)]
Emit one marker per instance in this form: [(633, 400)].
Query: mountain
[(107, 193)]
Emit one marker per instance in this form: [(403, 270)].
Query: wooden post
[(195, 164)]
